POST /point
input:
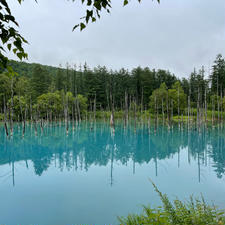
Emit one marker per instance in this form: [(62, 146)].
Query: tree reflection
[(85, 147)]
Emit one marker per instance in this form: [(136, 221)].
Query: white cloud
[(175, 35)]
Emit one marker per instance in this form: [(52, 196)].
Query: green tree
[(23, 87), (59, 80), (82, 103), (40, 81), (20, 104), (49, 102), (159, 98), (5, 84), (218, 75), (179, 98)]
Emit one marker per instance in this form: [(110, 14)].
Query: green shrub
[(192, 212)]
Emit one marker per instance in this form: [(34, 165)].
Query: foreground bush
[(192, 212)]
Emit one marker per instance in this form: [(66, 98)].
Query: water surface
[(93, 175)]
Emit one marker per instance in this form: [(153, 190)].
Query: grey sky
[(175, 35)]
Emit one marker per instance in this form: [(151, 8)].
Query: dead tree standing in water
[(5, 118), (112, 112)]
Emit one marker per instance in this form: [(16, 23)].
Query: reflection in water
[(95, 144)]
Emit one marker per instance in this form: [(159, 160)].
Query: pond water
[(93, 175)]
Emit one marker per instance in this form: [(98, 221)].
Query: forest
[(50, 92)]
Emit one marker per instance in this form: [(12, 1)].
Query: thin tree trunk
[(112, 111), (95, 108), (24, 121), (126, 109), (12, 106), (135, 116), (5, 118)]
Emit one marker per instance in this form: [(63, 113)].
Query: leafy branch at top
[(10, 37), (94, 11), (13, 41)]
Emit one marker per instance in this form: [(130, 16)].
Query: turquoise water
[(93, 175)]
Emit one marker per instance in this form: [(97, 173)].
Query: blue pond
[(93, 175)]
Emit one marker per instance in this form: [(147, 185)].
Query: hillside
[(25, 69)]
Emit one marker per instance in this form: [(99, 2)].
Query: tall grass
[(195, 211)]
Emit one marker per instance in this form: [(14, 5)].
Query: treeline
[(50, 89)]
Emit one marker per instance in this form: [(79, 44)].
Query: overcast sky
[(175, 35)]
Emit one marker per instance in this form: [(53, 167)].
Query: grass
[(192, 212), (144, 116)]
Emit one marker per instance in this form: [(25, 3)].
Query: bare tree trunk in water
[(178, 106), (189, 111), (35, 124), (24, 121), (31, 116), (213, 106), (12, 106), (135, 105), (5, 118), (95, 108), (218, 106), (149, 122), (221, 105), (141, 105), (163, 111), (78, 110), (66, 115), (172, 113), (167, 108), (73, 116), (155, 115), (126, 109), (112, 109), (198, 110)]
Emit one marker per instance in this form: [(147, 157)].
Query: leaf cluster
[(95, 7), (9, 35)]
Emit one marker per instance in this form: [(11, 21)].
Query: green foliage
[(192, 212), (141, 85), (175, 98), (4, 85), (9, 35), (179, 98), (159, 98), (214, 101), (82, 101), (50, 102), (94, 8), (20, 104), (56, 102), (218, 75), (40, 81), (60, 80), (23, 87), (197, 85)]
